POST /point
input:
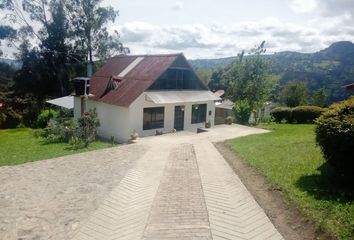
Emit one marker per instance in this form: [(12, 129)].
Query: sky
[(223, 28)]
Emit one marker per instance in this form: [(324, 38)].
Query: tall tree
[(248, 79), (88, 27), (294, 94)]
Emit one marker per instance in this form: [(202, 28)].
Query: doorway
[(179, 118)]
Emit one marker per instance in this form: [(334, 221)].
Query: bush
[(59, 131), (305, 114), (242, 110), (335, 136), (44, 117), (300, 114), (88, 125), (281, 114)]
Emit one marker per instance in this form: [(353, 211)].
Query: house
[(147, 94)]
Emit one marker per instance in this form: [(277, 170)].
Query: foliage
[(204, 75), (60, 131), (242, 110), (300, 114), (44, 117), (289, 158), (88, 125), (248, 79), (335, 134), (267, 119), (305, 114), (294, 94), (331, 68), (281, 114), (20, 146), (320, 98)]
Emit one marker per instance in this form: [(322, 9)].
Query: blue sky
[(221, 28)]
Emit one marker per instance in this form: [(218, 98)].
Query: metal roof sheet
[(167, 97), (65, 102), (138, 79)]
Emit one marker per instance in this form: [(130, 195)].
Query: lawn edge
[(283, 213)]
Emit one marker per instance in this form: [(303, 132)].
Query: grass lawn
[(20, 146), (289, 158)]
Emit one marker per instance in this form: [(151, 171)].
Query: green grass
[(289, 158), (20, 146)]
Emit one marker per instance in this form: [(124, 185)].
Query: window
[(153, 118), (199, 113)]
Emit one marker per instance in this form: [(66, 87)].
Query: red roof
[(134, 83)]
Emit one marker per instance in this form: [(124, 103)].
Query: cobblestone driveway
[(182, 188)]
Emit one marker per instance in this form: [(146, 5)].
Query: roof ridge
[(149, 55)]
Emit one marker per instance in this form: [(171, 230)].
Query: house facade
[(147, 94)]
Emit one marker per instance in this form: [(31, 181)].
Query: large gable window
[(153, 118), (199, 113)]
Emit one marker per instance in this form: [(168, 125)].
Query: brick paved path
[(182, 188), (179, 210)]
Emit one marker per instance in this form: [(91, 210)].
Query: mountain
[(330, 68)]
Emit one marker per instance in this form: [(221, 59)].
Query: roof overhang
[(169, 97), (64, 102)]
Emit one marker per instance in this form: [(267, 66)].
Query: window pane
[(199, 113), (153, 118)]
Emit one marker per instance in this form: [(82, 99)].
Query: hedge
[(335, 135), (281, 114), (300, 114)]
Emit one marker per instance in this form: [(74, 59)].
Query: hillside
[(330, 68)]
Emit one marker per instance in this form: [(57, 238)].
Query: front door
[(179, 118)]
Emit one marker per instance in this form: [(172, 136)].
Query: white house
[(147, 93)]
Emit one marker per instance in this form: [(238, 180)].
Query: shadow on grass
[(328, 185)]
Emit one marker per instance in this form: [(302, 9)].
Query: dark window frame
[(199, 112), (154, 120)]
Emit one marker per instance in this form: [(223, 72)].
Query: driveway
[(173, 186)]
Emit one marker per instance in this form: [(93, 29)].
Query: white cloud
[(178, 5), (303, 6), (199, 40)]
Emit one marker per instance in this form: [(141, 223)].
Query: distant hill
[(330, 68)]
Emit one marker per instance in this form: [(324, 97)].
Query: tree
[(88, 22), (294, 94), (204, 75), (320, 98), (248, 79)]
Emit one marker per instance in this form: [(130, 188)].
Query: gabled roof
[(130, 76)]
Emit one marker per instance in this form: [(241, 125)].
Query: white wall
[(77, 107), (120, 121), (136, 115), (114, 120)]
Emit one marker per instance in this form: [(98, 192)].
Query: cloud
[(218, 40), (177, 6), (303, 6)]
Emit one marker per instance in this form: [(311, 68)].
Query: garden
[(59, 137), (311, 163)]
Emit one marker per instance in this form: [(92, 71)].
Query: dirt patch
[(289, 221)]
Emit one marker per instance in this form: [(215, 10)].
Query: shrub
[(242, 110), (281, 114), (335, 135), (305, 114), (59, 131), (44, 117), (88, 125)]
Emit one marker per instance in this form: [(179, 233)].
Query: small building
[(147, 94)]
